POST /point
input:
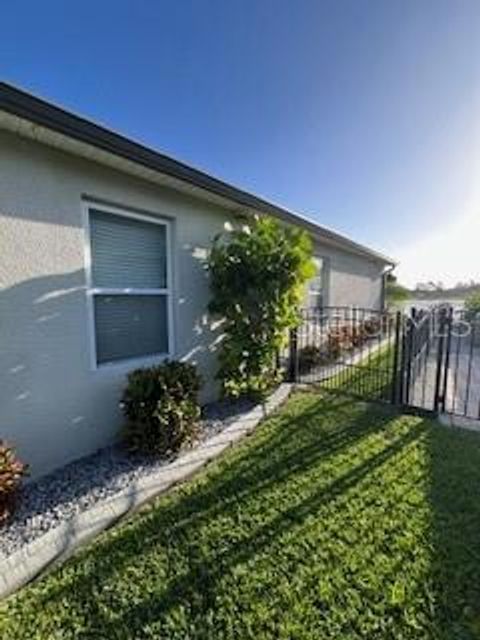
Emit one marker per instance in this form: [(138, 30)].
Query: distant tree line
[(397, 293), (432, 290)]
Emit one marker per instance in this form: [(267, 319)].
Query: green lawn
[(335, 520), (369, 379)]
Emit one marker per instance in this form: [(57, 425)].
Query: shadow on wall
[(43, 366), (198, 335), (54, 407)]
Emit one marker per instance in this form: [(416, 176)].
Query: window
[(129, 291), (316, 286)]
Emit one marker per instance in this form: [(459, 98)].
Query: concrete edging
[(459, 422), (55, 546)]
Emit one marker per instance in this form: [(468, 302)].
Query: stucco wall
[(351, 280), (53, 406)]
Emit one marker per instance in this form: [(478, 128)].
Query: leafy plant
[(334, 345), (257, 282), (161, 407), (12, 471), (373, 326), (472, 306), (340, 340), (346, 337), (395, 293), (312, 356)]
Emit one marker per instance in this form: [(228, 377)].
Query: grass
[(369, 379), (336, 520)]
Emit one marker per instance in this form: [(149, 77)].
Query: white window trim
[(126, 364), (325, 287)]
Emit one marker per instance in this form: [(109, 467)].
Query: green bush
[(161, 407), (11, 474), (395, 294), (257, 282), (472, 306), (310, 357)]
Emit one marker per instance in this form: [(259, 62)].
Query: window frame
[(92, 291), (323, 293)]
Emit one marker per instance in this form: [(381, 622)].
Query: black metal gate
[(459, 360), (428, 360)]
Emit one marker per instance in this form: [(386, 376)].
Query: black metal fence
[(460, 343), (349, 349), (415, 375), (427, 360)]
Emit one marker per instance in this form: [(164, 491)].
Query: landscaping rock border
[(57, 544), (79, 485)]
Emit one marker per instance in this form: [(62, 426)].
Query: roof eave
[(45, 114)]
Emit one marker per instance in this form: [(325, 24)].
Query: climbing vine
[(257, 278)]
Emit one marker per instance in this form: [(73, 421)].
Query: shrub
[(257, 283), (11, 474), (374, 326), (161, 407), (310, 357), (395, 294), (358, 335), (340, 340), (350, 337), (472, 306), (335, 345)]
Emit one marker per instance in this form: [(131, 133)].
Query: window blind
[(127, 253), (130, 326)]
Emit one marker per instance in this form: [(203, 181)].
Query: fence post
[(403, 356), (408, 362), (447, 357), (396, 347), (293, 355), (437, 399)]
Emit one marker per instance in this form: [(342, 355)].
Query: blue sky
[(363, 115)]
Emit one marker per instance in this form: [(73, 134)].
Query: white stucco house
[(103, 243)]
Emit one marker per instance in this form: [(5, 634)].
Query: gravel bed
[(59, 496)]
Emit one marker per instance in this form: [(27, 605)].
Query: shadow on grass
[(283, 457), (205, 576), (454, 458), (318, 496)]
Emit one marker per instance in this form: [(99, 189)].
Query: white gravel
[(81, 484)]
